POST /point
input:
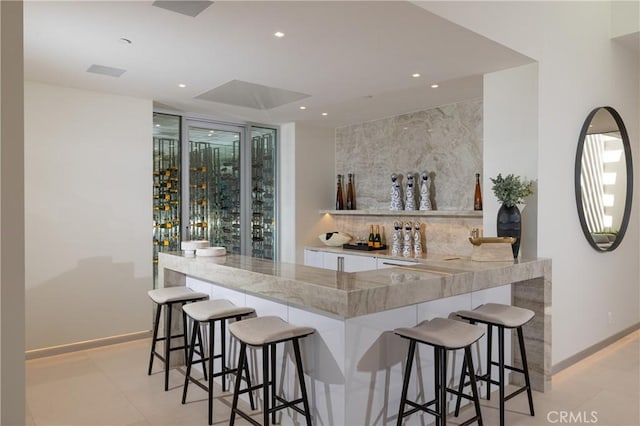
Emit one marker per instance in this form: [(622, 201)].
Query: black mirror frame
[(578, 187)]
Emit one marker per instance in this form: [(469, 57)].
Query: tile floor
[(109, 386)]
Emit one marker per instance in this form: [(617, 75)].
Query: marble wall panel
[(446, 142), (439, 235)]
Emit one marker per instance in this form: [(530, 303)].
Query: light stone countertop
[(345, 294)]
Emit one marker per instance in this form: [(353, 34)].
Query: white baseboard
[(568, 362), (87, 344)]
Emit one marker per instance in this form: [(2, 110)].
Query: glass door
[(214, 184)]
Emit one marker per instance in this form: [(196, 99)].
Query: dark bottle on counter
[(351, 198), (371, 237), (339, 197), (377, 241), (477, 197)]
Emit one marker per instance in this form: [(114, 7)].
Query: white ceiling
[(355, 59)]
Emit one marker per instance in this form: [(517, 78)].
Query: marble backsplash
[(446, 142)]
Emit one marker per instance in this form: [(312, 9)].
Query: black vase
[(510, 225)]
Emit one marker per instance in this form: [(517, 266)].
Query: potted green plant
[(510, 191)]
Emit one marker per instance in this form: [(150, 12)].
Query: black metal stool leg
[(223, 347), (468, 362), (212, 336), (303, 386), (265, 384), (525, 367), (405, 383), (196, 327), (236, 391), (185, 339), (489, 348), (436, 381), (461, 384), (248, 377), (156, 325), (501, 372), (443, 386), (272, 360), (246, 370), (202, 356), (167, 345)]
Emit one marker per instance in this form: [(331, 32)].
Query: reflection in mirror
[(603, 179)]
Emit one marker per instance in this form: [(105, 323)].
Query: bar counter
[(354, 314)]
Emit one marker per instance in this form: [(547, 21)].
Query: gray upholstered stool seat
[(448, 333), (174, 294), (496, 313), (265, 333), (167, 297), (215, 309), (443, 335), (502, 317), (265, 330), (209, 312)]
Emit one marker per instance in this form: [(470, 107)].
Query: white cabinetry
[(313, 258), (352, 263), (328, 260)]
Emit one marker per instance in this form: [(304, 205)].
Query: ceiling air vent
[(184, 7), (251, 95), (104, 70)]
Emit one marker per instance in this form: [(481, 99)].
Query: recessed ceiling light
[(157, 125), (434, 86), (325, 113), (303, 107), (182, 85), (279, 34), (415, 75)]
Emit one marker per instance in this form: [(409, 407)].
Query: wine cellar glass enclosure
[(216, 182)]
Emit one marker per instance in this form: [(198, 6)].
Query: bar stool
[(167, 297), (210, 312), (443, 335), (503, 317), (265, 333)]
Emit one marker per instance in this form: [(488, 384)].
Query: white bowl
[(211, 251), (194, 245), (334, 238)]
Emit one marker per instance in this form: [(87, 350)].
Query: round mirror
[(604, 179)]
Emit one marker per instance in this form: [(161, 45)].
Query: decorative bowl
[(334, 239)]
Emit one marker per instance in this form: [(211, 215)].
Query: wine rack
[(214, 192), (230, 196), (166, 196), (263, 174)]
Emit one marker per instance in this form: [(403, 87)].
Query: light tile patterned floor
[(109, 386)]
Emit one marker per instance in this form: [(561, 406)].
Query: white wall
[(88, 177), (511, 130), (12, 371), (307, 154), (579, 68)]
